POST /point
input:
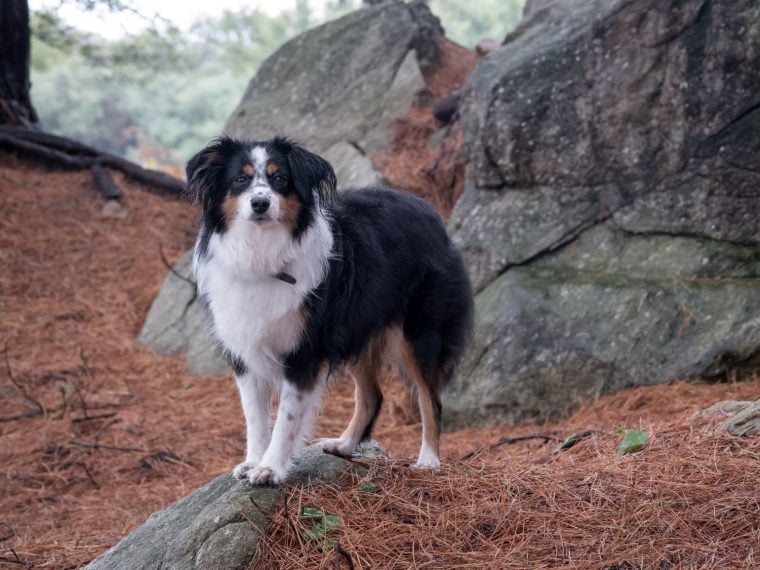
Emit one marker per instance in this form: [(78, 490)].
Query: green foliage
[(157, 90), (158, 96), (319, 530), (633, 440), (469, 22), (367, 488)]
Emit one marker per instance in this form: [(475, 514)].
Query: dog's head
[(264, 183)]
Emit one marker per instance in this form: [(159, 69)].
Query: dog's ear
[(203, 170), (310, 172)]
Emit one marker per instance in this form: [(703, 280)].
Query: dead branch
[(83, 465), (341, 552), (96, 445), (171, 269), (75, 155), (96, 417), (104, 183), (546, 436), (17, 560)]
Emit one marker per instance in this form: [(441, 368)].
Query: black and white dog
[(301, 281)]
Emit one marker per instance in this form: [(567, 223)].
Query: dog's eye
[(280, 180), (241, 179)]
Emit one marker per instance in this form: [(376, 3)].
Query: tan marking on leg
[(290, 208), (230, 208), (367, 396), (271, 168), (248, 169), (431, 429)]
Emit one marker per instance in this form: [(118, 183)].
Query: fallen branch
[(17, 560), (75, 155), (546, 436), (96, 445), (341, 552)]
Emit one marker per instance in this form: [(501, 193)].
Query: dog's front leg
[(256, 397), (298, 407)]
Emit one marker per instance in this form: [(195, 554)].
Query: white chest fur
[(255, 315)]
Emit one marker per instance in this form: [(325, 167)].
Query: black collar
[(286, 277)]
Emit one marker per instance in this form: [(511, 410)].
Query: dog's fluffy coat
[(300, 281)]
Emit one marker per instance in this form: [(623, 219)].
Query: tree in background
[(15, 104)]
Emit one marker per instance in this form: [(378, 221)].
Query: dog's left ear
[(311, 172)]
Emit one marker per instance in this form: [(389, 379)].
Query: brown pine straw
[(690, 500), (123, 432)]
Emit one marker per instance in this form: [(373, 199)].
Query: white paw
[(266, 476), (427, 463), (338, 446), (241, 471)]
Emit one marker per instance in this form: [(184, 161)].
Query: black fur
[(392, 264)]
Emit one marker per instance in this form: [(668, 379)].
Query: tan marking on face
[(290, 207), (248, 169), (271, 168), (230, 208)]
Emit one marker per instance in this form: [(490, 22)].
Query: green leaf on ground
[(633, 440), (366, 488), (319, 531)]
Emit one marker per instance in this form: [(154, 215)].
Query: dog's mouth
[(261, 219)]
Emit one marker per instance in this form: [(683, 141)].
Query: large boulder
[(338, 88), (611, 213)]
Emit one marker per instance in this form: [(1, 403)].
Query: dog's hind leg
[(368, 400), (428, 399)]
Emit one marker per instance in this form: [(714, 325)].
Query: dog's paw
[(429, 464), (262, 475), (241, 471), (338, 446)]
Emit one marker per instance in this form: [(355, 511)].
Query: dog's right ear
[(204, 168)]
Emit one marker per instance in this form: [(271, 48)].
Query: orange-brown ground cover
[(126, 432)]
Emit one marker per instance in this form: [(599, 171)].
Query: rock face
[(338, 87), (218, 526), (611, 213), (177, 323)]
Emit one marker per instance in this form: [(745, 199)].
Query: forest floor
[(97, 432)]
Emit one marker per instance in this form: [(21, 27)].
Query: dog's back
[(396, 291)]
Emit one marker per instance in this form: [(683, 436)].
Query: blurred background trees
[(156, 96)]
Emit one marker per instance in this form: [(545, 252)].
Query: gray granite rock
[(177, 323), (611, 213), (745, 422), (218, 526), (341, 85)]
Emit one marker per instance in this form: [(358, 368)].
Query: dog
[(301, 281)]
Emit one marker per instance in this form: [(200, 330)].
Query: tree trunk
[(15, 104)]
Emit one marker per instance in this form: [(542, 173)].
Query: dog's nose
[(260, 204)]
